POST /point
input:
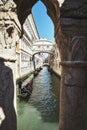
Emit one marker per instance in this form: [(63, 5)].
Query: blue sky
[(43, 22)]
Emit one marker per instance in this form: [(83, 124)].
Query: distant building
[(54, 60), (24, 54)]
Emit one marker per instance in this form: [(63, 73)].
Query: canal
[(41, 112)]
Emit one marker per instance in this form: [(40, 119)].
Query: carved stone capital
[(70, 26)]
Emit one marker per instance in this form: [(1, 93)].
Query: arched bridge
[(43, 46)]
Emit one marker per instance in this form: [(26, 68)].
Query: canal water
[(41, 112)]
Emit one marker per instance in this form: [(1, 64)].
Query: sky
[(43, 22)]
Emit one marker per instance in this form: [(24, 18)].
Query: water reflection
[(41, 112)]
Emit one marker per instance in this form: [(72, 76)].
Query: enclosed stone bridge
[(43, 46)]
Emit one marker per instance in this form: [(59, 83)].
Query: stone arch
[(24, 8), (71, 39)]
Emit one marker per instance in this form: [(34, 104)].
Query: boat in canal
[(25, 92), (42, 109)]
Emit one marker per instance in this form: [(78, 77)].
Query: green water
[(41, 111)]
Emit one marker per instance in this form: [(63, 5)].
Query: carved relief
[(10, 29), (4, 1), (7, 5), (74, 48), (8, 35), (78, 49), (74, 77)]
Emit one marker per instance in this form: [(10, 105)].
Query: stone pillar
[(10, 31), (73, 91)]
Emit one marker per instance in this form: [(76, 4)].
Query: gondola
[(25, 92), (24, 95)]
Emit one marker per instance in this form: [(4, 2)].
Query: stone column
[(73, 92), (10, 31)]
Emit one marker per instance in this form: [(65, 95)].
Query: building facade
[(54, 60), (24, 54)]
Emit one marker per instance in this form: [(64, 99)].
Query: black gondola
[(26, 91)]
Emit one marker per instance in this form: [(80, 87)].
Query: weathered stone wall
[(73, 101), (7, 97), (10, 31)]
